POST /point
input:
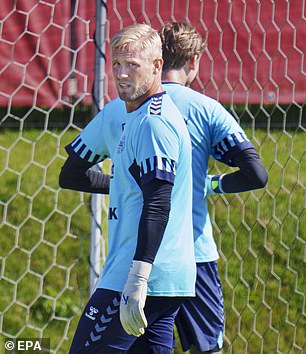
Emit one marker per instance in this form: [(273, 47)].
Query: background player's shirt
[(213, 132), (99, 138)]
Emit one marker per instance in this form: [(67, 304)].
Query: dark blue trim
[(158, 174)]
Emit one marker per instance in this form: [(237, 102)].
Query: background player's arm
[(251, 175), (89, 148), (78, 174)]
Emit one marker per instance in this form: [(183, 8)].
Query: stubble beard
[(138, 93)]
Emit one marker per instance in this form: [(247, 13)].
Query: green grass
[(45, 237)]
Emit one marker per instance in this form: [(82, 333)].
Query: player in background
[(150, 267), (214, 133)]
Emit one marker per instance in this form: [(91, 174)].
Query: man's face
[(133, 73)]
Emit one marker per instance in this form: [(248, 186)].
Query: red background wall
[(255, 54)]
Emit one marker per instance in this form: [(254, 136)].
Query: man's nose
[(122, 72)]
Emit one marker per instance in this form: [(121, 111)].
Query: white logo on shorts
[(92, 312)]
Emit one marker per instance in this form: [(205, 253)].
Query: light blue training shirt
[(213, 132), (150, 142)]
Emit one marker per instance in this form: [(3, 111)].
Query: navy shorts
[(200, 320), (100, 331)]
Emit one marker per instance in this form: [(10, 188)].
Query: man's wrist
[(141, 269), (214, 184)]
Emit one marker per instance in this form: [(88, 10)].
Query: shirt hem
[(169, 294), (155, 293), (206, 259)]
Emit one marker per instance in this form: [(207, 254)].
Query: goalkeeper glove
[(213, 184), (133, 299)]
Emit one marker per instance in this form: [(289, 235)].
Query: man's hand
[(133, 299)]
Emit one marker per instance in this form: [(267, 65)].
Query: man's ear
[(158, 65), (193, 62)]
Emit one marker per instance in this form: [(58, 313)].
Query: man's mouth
[(123, 85)]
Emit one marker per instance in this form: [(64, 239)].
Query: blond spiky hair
[(145, 36)]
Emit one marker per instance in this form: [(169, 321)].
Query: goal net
[(254, 65)]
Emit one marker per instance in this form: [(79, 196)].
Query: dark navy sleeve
[(81, 175), (251, 174), (231, 145), (154, 219)]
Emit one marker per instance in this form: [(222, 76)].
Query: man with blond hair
[(150, 267)]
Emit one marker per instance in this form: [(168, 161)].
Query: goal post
[(97, 250)]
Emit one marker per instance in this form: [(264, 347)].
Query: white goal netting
[(254, 64)]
